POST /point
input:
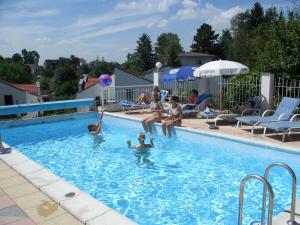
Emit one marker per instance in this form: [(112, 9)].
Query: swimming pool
[(190, 179)]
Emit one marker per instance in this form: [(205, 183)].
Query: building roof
[(90, 82), (194, 54), (30, 88)]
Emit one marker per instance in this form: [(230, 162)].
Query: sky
[(108, 29)]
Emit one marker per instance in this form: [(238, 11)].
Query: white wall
[(19, 96)]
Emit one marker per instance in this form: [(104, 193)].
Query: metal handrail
[(293, 204), (271, 199)]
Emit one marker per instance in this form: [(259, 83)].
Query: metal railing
[(271, 197), (125, 93), (234, 91), (294, 187), (182, 90), (285, 88)]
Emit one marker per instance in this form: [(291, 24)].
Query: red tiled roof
[(90, 82), (30, 88)]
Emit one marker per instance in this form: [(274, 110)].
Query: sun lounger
[(283, 126), (232, 115), (188, 109), (284, 112)]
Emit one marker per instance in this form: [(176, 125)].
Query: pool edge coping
[(243, 140), (106, 212)]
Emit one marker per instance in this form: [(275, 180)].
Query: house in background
[(124, 86), (12, 93), (195, 58), (33, 67), (50, 64), (82, 62)]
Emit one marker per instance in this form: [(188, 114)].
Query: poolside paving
[(23, 204), (229, 129)]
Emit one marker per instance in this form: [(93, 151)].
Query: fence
[(285, 88), (127, 93), (227, 93), (235, 91), (182, 90)]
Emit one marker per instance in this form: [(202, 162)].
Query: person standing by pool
[(174, 118), (96, 128), (156, 110)]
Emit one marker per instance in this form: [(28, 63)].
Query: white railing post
[(267, 88), (158, 65)]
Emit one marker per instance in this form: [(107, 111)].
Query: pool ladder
[(268, 187)]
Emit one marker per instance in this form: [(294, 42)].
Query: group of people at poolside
[(156, 115)]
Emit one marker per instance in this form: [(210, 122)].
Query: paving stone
[(7, 173), (20, 190), (25, 221), (33, 199), (12, 181), (11, 214), (3, 166), (84, 207), (5, 202), (44, 212), (65, 219), (59, 189), (15, 158), (109, 218), (27, 167), (42, 177)]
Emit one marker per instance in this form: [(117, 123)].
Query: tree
[(167, 49), (65, 81), (205, 40), (225, 45), (17, 58), (16, 72), (143, 58), (31, 57), (99, 67)]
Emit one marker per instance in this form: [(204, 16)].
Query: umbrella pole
[(220, 93)]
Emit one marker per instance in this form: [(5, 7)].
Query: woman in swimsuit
[(174, 118), (156, 110), (146, 97)]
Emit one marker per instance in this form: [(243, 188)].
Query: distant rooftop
[(194, 54), (30, 88)]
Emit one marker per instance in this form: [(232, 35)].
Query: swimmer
[(142, 146), (96, 128)]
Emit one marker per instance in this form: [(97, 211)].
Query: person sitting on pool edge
[(175, 116), (142, 146), (96, 128)]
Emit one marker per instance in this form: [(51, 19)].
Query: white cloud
[(163, 23), (149, 22), (147, 6)]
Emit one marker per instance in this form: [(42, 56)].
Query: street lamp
[(158, 65)]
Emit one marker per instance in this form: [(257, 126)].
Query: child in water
[(142, 146), (96, 128), (142, 150)]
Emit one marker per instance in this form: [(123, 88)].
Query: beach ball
[(105, 80)]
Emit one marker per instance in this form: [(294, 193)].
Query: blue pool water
[(190, 179)]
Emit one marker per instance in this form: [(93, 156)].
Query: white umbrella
[(219, 68)]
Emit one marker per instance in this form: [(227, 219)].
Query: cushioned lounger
[(282, 126), (284, 112)]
